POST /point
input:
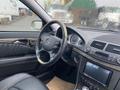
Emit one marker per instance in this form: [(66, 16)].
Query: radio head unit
[(97, 73)]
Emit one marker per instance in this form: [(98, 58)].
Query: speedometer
[(74, 39)]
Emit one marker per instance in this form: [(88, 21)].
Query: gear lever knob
[(85, 88)]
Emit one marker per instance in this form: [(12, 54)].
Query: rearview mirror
[(36, 24)]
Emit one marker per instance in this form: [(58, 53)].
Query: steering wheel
[(50, 46)]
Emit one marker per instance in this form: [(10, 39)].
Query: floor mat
[(58, 84)]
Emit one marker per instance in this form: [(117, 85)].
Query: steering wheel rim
[(51, 42)]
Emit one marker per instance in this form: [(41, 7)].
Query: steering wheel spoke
[(51, 54)]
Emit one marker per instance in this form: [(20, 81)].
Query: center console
[(99, 65), (94, 74), (94, 77)]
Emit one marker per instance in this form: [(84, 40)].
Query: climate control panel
[(85, 82)]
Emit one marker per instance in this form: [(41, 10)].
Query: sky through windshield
[(109, 3)]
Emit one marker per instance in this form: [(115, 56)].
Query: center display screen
[(97, 73)]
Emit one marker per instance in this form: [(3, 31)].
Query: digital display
[(97, 73)]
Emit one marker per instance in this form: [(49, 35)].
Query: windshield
[(99, 14), (93, 14)]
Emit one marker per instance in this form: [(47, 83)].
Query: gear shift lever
[(85, 88)]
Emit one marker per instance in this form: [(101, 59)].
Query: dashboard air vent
[(98, 45), (113, 49)]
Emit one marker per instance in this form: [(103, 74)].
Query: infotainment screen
[(97, 73)]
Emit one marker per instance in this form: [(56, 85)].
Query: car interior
[(58, 56)]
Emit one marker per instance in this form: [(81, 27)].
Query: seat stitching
[(15, 87), (19, 82), (22, 80)]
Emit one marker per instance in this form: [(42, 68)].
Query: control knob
[(85, 88), (88, 49), (118, 60)]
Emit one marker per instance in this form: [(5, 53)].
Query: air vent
[(113, 49), (98, 45)]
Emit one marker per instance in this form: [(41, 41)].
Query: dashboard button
[(118, 61), (91, 87), (87, 49)]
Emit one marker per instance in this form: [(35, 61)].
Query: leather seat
[(22, 82)]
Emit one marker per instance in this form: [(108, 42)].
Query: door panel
[(16, 46), (15, 50), (12, 66), (17, 41), (19, 34), (17, 54), (15, 60)]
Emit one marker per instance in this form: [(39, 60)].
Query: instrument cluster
[(76, 40)]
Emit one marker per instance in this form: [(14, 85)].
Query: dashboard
[(97, 53)]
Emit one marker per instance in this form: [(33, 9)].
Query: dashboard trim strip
[(95, 60)]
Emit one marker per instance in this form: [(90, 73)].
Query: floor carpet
[(58, 84)]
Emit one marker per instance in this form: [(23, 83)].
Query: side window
[(14, 16)]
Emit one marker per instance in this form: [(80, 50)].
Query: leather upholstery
[(22, 82)]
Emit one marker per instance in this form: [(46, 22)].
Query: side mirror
[(36, 24)]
